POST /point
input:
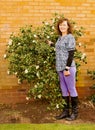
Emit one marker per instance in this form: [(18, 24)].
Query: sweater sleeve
[(70, 58), (70, 46)]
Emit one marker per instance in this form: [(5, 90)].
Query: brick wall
[(12, 96), (17, 13)]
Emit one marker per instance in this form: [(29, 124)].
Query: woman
[(65, 66)]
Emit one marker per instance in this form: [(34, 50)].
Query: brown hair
[(68, 23)]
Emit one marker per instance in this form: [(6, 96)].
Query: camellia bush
[(92, 76), (32, 59)]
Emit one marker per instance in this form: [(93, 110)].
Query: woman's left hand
[(66, 73)]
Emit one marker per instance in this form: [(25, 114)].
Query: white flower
[(35, 86), (33, 41), (19, 43), (27, 98), (37, 74), (75, 26), (39, 96), (8, 46), (8, 72), (83, 56), (15, 73), (35, 35), (81, 33), (53, 20), (26, 71), (52, 32), (10, 42), (37, 67), (80, 44), (58, 17), (46, 23), (44, 62), (57, 105), (19, 81), (5, 55), (54, 49), (48, 37), (53, 27)]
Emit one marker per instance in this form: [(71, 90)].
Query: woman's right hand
[(66, 73), (49, 42)]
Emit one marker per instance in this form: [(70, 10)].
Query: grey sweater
[(63, 45)]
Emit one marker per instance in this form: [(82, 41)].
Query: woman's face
[(63, 27)]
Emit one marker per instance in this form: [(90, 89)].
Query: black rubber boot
[(65, 112), (74, 114)]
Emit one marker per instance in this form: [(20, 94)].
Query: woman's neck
[(63, 34)]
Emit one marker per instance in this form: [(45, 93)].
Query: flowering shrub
[(32, 59), (92, 75)]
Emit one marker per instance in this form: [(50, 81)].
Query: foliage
[(92, 75), (32, 59), (92, 98)]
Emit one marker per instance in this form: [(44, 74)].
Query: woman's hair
[(68, 23)]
